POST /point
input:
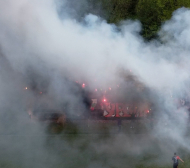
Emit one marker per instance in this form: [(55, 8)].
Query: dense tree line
[(151, 13)]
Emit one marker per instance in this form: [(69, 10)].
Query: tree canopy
[(151, 13)]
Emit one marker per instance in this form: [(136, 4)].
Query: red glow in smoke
[(83, 85)]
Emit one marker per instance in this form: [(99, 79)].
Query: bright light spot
[(26, 88), (83, 85), (104, 100), (109, 88), (147, 111)]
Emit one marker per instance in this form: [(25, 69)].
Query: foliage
[(151, 13)]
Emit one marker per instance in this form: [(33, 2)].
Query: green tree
[(151, 13), (117, 10)]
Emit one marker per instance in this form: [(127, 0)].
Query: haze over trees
[(151, 13)]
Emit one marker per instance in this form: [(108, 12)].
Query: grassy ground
[(105, 127), (88, 144)]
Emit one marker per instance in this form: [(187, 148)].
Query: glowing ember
[(83, 85), (104, 100)]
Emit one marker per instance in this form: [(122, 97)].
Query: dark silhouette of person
[(175, 159), (119, 123)]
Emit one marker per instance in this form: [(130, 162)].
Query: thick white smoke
[(91, 50), (32, 36)]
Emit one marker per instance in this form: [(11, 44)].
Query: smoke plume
[(44, 46)]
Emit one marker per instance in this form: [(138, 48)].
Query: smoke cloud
[(43, 46)]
